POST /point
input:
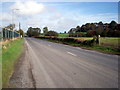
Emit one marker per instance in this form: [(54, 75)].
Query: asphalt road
[(56, 65)]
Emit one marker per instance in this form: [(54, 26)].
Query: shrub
[(51, 33), (91, 33), (71, 40)]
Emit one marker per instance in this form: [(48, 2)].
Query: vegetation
[(63, 35), (94, 29), (33, 31), (110, 42), (45, 30), (9, 34), (72, 40), (11, 26), (41, 35), (84, 35), (9, 58), (21, 32), (51, 33), (77, 34), (88, 43)]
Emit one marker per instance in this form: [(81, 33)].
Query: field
[(104, 41), (110, 41), (64, 35), (41, 35), (10, 55)]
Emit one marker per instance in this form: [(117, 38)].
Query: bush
[(70, 40), (51, 33), (91, 33)]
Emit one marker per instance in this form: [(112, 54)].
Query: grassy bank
[(9, 57), (103, 49)]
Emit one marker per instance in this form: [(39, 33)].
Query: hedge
[(70, 40)]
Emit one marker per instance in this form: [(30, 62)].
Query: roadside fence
[(6, 34)]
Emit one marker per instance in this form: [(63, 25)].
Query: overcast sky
[(58, 16)]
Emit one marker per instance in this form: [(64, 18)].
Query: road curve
[(56, 65)]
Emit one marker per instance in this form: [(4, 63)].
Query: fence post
[(1, 36), (99, 39)]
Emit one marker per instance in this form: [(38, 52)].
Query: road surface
[(54, 65)]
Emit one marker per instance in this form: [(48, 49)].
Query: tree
[(83, 28), (92, 26), (91, 33), (21, 32), (113, 25), (45, 30), (108, 29), (64, 31), (51, 33), (100, 28), (11, 26), (78, 29), (72, 30), (88, 26), (33, 31), (29, 32)]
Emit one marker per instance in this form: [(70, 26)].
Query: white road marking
[(71, 53)]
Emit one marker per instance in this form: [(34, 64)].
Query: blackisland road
[(56, 65)]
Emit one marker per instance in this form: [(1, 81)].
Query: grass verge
[(102, 49), (10, 56)]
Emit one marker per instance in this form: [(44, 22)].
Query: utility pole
[(19, 26), (13, 20)]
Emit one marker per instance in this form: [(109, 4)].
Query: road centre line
[(71, 53)]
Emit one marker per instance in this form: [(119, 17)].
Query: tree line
[(111, 29), (37, 31)]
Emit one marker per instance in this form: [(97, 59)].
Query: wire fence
[(6, 34)]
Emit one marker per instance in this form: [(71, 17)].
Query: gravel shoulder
[(22, 76)]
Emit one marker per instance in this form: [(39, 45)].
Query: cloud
[(64, 0), (61, 23), (5, 17), (104, 17), (28, 8), (55, 16), (42, 15)]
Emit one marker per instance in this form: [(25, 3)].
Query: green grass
[(60, 35), (109, 41), (64, 35), (84, 38), (9, 58), (41, 35), (104, 41)]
